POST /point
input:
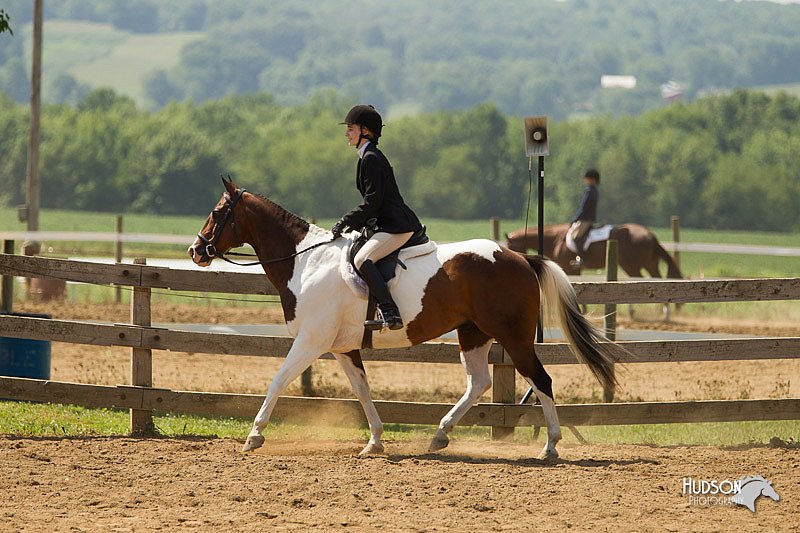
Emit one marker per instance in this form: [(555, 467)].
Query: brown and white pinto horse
[(477, 287), (638, 249)]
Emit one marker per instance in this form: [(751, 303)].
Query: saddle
[(418, 244), (596, 234), (388, 265)]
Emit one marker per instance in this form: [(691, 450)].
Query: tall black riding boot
[(378, 289)]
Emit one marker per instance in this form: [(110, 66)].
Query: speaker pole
[(540, 243), (537, 144)]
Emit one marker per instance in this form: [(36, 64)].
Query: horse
[(477, 287), (638, 249), (751, 488)]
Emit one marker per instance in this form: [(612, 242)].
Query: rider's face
[(353, 132)]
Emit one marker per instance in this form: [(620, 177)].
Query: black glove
[(337, 229)]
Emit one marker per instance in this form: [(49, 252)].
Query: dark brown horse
[(638, 249)]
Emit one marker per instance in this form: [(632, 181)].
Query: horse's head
[(520, 241), (769, 491), (219, 232)]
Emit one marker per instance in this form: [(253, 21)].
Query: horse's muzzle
[(199, 254)]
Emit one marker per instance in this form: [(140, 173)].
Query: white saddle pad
[(357, 284), (603, 233)]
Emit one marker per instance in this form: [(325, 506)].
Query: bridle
[(211, 245), (210, 249)]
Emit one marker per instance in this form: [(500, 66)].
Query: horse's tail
[(586, 342), (673, 271)]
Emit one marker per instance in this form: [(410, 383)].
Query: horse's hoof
[(253, 442), (548, 455), (439, 442), (371, 449)]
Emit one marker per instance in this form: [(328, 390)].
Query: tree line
[(730, 162)]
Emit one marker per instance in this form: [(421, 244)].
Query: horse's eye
[(216, 215)]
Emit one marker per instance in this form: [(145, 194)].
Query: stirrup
[(383, 322)]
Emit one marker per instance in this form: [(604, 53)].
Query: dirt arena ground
[(123, 484), (126, 484)]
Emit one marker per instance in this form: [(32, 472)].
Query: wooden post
[(612, 262), (32, 173), (503, 391), (494, 224), (8, 281), (141, 358), (118, 258), (675, 221)]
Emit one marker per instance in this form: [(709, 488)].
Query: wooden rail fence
[(502, 415)]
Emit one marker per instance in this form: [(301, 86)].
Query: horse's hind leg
[(475, 347), (529, 366), (354, 370)]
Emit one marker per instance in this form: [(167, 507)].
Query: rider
[(586, 214), (395, 221)]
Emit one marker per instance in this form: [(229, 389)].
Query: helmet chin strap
[(361, 136)]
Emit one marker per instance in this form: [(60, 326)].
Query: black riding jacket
[(382, 200), (587, 210)]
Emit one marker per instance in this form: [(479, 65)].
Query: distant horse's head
[(219, 232), (520, 240)]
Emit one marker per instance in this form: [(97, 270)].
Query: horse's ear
[(230, 186)]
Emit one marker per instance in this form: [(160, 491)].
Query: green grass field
[(694, 265), (100, 55), (125, 67), (52, 420)]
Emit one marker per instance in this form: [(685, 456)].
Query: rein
[(211, 245), (268, 261)]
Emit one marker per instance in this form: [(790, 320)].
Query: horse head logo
[(752, 488)]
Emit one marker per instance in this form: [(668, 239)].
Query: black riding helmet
[(365, 115), (593, 174)]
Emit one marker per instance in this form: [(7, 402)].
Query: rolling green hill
[(99, 55), (529, 56)]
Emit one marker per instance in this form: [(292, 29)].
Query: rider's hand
[(337, 229)]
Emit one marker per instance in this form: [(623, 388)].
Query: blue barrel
[(25, 358)]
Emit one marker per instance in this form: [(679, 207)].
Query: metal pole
[(539, 251), (540, 243), (540, 188)]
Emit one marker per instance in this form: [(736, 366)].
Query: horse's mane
[(749, 479), (283, 212)]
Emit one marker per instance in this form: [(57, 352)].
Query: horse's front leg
[(354, 370), (300, 357)]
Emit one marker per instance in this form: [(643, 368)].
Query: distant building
[(671, 91), (609, 81)]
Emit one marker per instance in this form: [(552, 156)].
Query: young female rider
[(382, 201)]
